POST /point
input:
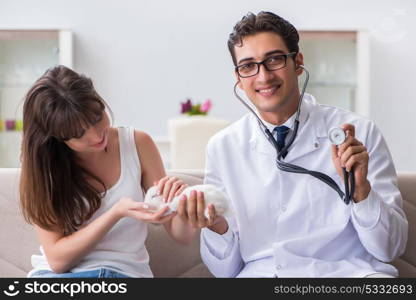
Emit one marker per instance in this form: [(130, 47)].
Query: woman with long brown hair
[(82, 183)]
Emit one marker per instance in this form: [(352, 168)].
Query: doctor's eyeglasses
[(271, 63)]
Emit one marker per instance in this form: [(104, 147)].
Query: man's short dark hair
[(264, 21)]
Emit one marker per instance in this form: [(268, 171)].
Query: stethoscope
[(337, 136)]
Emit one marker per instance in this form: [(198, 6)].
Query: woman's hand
[(170, 187), (127, 207)]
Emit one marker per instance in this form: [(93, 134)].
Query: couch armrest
[(190, 176)]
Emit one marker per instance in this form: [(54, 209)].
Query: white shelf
[(338, 64), (331, 85), (25, 55), (10, 132)]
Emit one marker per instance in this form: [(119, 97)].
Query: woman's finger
[(181, 189), (161, 184), (144, 206), (175, 186), (160, 212), (166, 218), (167, 187)]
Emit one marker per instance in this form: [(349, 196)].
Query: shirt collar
[(304, 113), (289, 122)]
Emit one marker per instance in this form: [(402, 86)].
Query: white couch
[(18, 240), (167, 259)]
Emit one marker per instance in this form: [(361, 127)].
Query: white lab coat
[(293, 225)]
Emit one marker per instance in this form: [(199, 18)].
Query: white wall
[(147, 56)]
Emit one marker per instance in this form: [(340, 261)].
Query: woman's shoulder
[(148, 154), (144, 142), (142, 138)]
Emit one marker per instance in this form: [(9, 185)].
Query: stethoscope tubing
[(349, 180)]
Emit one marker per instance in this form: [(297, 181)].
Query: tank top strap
[(129, 157)]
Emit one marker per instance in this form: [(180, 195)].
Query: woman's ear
[(299, 62)]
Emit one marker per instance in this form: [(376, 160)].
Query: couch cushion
[(405, 269), (407, 262), (200, 271), (170, 259), (191, 177), (17, 238), (10, 270), (410, 253)]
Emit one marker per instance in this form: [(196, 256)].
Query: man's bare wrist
[(220, 227), (362, 193)]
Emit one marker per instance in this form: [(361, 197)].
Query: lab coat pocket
[(325, 205)]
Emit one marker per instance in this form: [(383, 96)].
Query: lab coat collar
[(311, 128), (289, 122)]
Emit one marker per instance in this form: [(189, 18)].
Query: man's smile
[(269, 90)]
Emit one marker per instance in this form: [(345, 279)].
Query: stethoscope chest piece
[(337, 136)]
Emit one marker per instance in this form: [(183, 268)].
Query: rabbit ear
[(150, 196), (153, 189)]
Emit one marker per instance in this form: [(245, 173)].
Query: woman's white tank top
[(122, 249)]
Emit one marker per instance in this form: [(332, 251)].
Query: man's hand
[(192, 211), (352, 154)]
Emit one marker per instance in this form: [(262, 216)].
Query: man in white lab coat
[(286, 224)]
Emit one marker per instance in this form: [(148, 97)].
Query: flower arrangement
[(195, 109)]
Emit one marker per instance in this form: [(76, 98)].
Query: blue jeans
[(98, 273)]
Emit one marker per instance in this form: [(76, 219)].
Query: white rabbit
[(211, 195)]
